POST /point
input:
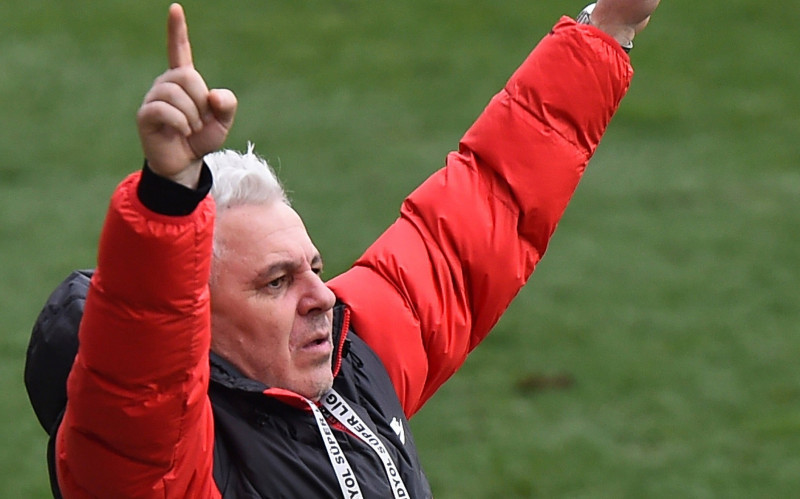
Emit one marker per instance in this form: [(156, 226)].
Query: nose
[(317, 297)]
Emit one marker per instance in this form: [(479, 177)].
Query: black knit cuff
[(166, 197)]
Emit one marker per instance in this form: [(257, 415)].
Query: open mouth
[(317, 343)]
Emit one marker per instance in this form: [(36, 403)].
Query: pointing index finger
[(179, 51)]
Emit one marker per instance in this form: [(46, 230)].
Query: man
[(219, 364)]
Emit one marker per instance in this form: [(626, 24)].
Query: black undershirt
[(166, 197)]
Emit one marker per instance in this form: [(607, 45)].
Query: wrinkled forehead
[(260, 230)]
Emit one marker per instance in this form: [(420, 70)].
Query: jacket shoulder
[(52, 347)]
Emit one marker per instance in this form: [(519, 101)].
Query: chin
[(318, 389)]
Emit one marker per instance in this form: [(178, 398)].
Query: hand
[(181, 120), (623, 19)]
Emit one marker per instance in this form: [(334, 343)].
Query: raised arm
[(435, 283), (138, 422)]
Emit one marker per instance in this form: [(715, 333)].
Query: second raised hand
[(623, 19)]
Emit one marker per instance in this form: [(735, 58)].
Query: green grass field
[(653, 354)]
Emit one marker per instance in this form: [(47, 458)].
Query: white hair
[(238, 180), (242, 179)]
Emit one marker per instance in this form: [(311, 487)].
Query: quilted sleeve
[(436, 282), (138, 421)]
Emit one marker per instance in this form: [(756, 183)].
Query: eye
[(317, 270), (277, 283)]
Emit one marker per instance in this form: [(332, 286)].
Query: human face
[(270, 311)]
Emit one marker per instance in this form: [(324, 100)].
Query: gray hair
[(241, 179)]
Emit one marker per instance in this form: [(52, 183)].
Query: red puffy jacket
[(138, 421)]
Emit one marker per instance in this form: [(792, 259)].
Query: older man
[(217, 363)]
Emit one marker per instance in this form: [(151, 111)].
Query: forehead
[(262, 230)]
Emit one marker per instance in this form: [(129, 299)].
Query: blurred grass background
[(654, 352)]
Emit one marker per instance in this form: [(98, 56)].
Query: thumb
[(223, 104)]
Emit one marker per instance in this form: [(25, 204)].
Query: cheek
[(267, 322)]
